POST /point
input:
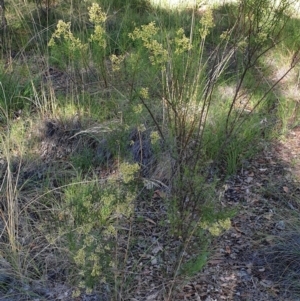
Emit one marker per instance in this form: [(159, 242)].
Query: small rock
[(280, 225), (249, 179), (153, 261), (266, 283)]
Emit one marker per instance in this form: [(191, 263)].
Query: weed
[(84, 160), (195, 265), (183, 94), (91, 207), (282, 260)]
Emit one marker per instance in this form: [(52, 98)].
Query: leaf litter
[(265, 195)]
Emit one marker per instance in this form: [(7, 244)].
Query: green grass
[(117, 85)]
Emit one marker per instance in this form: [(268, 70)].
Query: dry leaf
[(158, 194), (157, 249), (268, 216), (286, 189), (266, 283), (150, 220), (249, 179), (152, 297)]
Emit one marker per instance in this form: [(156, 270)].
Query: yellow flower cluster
[(116, 61), (99, 36), (218, 227), (63, 30), (138, 109), (128, 171), (154, 137), (144, 93), (97, 16), (182, 42), (207, 22), (145, 34), (159, 55)]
